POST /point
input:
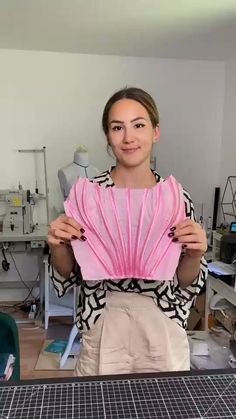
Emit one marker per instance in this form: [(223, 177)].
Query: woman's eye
[(116, 128), (139, 125)]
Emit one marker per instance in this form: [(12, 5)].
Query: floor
[(32, 338), (31, 341)]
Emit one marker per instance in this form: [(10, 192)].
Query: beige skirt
[(132, 336)]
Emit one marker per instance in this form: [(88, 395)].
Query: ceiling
[(181, 29)]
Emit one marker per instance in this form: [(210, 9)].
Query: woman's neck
[(140, 177)]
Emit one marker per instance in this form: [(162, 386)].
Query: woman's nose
[(127, 138)]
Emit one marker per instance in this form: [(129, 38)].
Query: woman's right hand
[(63, 230)]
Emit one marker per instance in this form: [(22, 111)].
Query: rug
[(51, 361)]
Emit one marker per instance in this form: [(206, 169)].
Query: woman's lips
[(130, 150)]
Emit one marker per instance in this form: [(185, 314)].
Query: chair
[(9, 341), (74, 332)]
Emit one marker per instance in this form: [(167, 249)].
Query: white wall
[(228, 154), (57, 99)]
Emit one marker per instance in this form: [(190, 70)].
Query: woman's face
[(130, 133)]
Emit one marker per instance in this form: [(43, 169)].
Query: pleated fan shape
[(126, 230)]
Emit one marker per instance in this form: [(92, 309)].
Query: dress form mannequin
[(79, 168)]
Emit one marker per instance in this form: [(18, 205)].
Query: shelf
[(232, 214), (39, 233), (229, 194), (225, 290), (60, 310)]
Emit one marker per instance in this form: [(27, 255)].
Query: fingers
[(55, 237), (190, 238), (67, 223), (186, 223), (186, 228), (52, 241), (190, 234), (194, 246), (63, 230), (66, 232)]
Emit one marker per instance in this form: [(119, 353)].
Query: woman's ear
[(156, 134), (108, 141)]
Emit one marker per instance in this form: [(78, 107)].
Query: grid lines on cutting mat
[(189, 397)]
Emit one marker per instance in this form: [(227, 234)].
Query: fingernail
[(171, 234), (83, 238), (74, 237), (82, 230), (172, 228), (175, 239), (61, 242)]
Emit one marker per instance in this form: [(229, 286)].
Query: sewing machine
[(18, 212)]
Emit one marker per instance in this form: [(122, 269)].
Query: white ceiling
[(186, 29)]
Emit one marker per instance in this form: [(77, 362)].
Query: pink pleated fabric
[(127, 230)]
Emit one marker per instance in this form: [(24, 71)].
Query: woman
[(132, 325)]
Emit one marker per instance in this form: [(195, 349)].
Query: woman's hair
[(136, 94)]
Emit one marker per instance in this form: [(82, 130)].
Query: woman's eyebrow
[(136, 119), (116, 121)]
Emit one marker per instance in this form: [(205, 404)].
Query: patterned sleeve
[(62, 285), (191, 292)]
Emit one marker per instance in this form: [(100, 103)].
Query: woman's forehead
[(127, 109)]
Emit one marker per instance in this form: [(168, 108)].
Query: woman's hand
[(192, 237), (63, 230)]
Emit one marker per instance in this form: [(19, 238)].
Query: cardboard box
[(196, 320), (200, 304)]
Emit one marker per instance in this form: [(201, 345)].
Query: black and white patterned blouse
[(168, 295)]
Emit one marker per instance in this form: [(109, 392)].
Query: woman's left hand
[(192, 237)]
